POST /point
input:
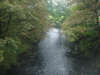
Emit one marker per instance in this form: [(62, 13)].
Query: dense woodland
[(83, 26), (24, 22), (21, 27)]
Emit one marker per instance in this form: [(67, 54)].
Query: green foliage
[(7, 53), (82, 25), (58, 11), (22, 23), (79, 6)]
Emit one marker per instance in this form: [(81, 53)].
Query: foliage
[(58, 11), (82, 25), (22, 23)]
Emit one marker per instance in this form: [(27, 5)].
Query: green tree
[(22, 23), (83, 26)]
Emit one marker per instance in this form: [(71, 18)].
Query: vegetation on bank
[(83, 26), (80, 21), (22, 23)]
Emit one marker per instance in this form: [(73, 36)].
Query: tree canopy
[(22, 23), (83, 25)]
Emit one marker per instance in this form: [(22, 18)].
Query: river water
[(53, 54), (53, 59)]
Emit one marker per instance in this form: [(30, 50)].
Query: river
[(54, 61)]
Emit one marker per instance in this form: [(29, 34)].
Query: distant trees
[(58, 10)]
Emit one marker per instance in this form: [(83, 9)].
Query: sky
[(55, 2)]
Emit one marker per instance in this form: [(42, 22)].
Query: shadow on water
[(51, 59)]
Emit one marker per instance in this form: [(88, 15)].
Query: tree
[(83, 26), (22, 23)]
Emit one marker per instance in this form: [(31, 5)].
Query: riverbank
[(50, 59), (26, 61)]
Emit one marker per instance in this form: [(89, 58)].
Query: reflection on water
[(53, 54), (53, 59)]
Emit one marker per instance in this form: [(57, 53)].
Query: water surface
[(53, 60)]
